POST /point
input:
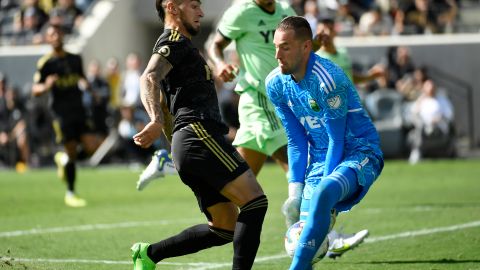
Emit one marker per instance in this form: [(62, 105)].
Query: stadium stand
[(108, 26)]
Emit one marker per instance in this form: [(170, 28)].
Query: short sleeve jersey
[(324, 93), (67, 97), (252, 29), (189, 86)]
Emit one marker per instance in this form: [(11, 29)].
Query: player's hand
[(376, 71), (227, 72), (291, 210), (291, 206), (83, 84), (50, 81), (148, 135)]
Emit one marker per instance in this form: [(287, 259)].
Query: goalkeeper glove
[(291, 206)]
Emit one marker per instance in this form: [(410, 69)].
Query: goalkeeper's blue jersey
[(305, 108)]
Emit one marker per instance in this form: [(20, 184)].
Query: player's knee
[(256, 207), (220, 237), (328, 192)]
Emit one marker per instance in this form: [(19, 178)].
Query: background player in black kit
[(61, 74), (220, 179)]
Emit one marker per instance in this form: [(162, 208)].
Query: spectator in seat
[(66, 14), (432, 115), (13, 128)]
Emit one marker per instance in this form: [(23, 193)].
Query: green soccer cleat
[(141, 261)]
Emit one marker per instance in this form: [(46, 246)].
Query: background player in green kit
[(251, 25), (325, 40)]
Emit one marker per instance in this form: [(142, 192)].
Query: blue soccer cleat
[(160, 166)]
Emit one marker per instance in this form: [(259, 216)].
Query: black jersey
[(67, 97), (189, 86)]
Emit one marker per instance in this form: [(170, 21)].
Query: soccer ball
[(291, 242)]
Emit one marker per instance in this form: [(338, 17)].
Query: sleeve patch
[(164, 51)]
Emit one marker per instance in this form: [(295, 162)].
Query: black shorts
[(71, 128), (206, 162)]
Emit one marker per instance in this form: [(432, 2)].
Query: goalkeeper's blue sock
[(330, 190)]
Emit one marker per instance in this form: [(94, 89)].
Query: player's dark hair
[(299, 25), (160, 9), (160, 5)]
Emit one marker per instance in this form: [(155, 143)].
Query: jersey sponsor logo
[(334, 102), (164, 51), (67, 81), (267, 34), (312, 122)]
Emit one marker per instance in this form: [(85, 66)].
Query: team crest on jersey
[(164, 51), (334, 102), (313, 104)]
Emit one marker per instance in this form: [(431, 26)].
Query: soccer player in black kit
[(60, 73), (177, 79)]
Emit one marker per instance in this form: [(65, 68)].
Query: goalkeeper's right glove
[(291, 206)]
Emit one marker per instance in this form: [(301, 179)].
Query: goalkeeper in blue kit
[(333, 148)]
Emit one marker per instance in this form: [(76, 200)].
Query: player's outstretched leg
[(141, 261), (191, 240), (160, 166), (340, 243)]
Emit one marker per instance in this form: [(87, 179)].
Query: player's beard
[(191, 29)]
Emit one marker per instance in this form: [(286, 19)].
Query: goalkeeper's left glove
[(291, 206)]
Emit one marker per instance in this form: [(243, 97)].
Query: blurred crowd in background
[(23, 21), (113, 101)]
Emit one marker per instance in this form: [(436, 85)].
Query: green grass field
[(420, 217)]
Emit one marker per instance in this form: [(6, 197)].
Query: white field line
[(207, 266), (424, 232), (91, 227)]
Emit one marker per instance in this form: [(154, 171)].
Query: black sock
[(247, 232), (70, 175), (189, 241)]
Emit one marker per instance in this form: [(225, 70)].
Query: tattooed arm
[(154, 102)]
